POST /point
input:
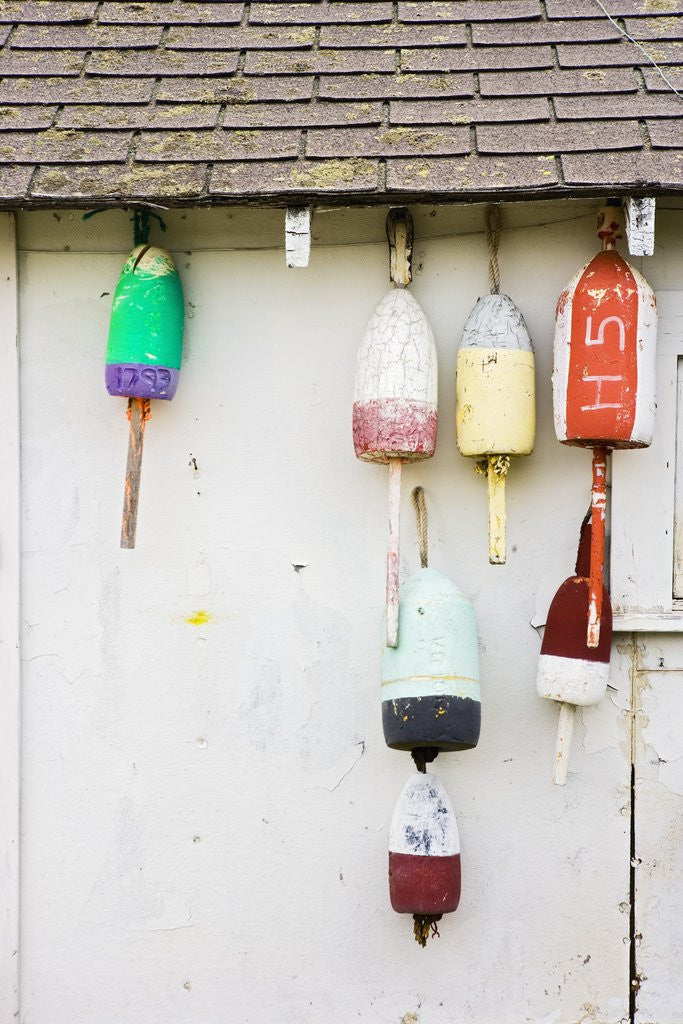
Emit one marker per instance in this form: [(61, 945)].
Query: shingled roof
[(222, 101)]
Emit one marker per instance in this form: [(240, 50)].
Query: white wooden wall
[(206, 790)]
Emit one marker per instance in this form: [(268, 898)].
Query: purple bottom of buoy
[(140, 380)]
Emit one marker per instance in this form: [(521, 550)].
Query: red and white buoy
[(604, 375), (569, 671), (424, 854), (395, 392)]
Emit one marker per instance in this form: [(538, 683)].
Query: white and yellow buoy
[(495, 395)]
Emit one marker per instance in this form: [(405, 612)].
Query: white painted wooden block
[(10, 723), (643, 499), (298, 235), (659, 819), (640, 226)]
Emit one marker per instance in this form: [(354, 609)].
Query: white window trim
[(643, 500), (10, 707)]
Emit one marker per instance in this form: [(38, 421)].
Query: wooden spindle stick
[(138, 414), (598, 505), (497, 516), (399, 228), (392, 553), (563, 743)]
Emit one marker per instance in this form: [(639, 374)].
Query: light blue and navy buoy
[(430, 683)]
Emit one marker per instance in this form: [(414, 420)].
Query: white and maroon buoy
[(395, 392), (424, 854), (569, 671), (604, 375)]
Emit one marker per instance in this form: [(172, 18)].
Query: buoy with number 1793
[(144, 351), (604, 376)]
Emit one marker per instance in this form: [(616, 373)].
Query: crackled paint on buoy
[(424, 850), (605, 355), (431, 696), (495, 393), (395, 409), (395, 393), (146, 327), (569, 670), (604, 375), (495, 400)]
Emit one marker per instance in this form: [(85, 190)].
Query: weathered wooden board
[(658, 746), (298, 235), (640, 225), (201, 721), (643, 495), (10, 682)]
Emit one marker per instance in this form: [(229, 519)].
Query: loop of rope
[(422, 524), (493, 220)]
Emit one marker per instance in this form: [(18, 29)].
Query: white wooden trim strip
[(667, 622), (640, 225), (298, 235), (10, 708), (643, 490)]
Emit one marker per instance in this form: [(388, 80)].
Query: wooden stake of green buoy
[(144, 350), (139, 411)]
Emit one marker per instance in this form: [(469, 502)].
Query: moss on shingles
[(305, 36), (357, 110), (421, 170), (415, 137), (132, 180), (174, 109), (245, 137), (329, 173), (57, 179), (653, 50)]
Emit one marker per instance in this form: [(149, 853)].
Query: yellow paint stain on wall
[(199, 618)]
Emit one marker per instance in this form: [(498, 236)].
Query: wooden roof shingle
[(223, 101)]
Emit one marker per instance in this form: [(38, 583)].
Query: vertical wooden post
[(640, 225), (298, 235), (392, 553), (138, 414), (399, 228), (400, 238), (497, 516), (598, 505), (563, 743), (10, 677)]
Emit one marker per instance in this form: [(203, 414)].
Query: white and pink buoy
[(395, 392)]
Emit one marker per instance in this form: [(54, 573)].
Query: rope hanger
[(493, 226)]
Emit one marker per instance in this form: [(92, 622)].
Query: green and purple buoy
[(143, 353)]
